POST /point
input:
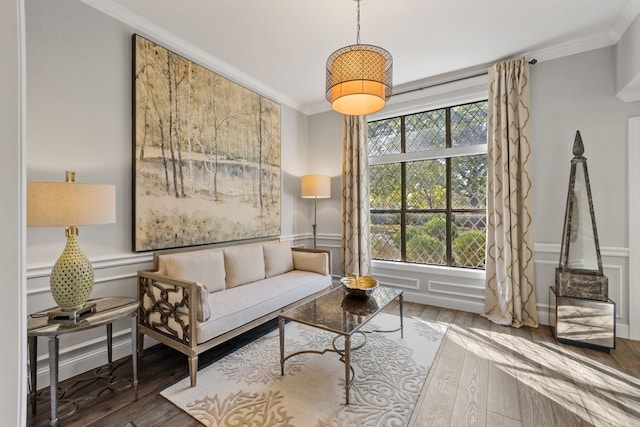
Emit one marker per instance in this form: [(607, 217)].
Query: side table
[(582, 322), (108, 310)]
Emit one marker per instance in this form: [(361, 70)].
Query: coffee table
[(342, 314)]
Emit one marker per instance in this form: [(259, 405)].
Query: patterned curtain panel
[(509, 292), (356, 225)]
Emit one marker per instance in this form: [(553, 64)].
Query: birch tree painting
[(206, 155)]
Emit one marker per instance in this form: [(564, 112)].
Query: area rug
[(245, 388)]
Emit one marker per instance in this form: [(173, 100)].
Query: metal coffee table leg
[(347, 366), (281, 328)]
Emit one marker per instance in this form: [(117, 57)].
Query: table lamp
[(68, 204), (316, 187)]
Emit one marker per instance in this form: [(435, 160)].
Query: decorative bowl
[(359, 286), (358, 305)]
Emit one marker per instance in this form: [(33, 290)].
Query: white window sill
[(465, 273)]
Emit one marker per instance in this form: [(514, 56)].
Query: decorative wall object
[(579, 273), (206, 155)]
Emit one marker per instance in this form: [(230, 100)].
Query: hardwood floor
[(484, 375)]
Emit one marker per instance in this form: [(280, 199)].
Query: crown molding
[(631, 92), (572, 48), (182, 47), (629, 14), (170, 40)]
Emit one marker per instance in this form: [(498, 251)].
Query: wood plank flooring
[(484, 375)]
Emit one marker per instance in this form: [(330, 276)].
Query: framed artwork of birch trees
[(206, 155)]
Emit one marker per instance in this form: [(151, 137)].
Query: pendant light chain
[(358, 27)]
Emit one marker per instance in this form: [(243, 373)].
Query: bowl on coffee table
[(359, 287)]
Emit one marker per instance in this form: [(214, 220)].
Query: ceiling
[(280, 47)]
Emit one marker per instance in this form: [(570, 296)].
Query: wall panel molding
[(398, 281), (436, 286), (554, 248), (456, 290), (44, 270)]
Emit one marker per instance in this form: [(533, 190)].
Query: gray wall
[(628, 63), (79, 117), (578, 93), (572, 93), (13, 368)]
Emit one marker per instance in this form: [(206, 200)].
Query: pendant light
[(359, 77)]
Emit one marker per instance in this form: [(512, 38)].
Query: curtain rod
[(532, 62)]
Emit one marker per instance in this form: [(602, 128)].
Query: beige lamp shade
[(316, 186), (64, 204), (359, 79), (68, 204)]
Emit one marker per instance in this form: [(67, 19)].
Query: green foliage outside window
[(431, 191), (469, 248)]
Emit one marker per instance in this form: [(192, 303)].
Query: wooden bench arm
[(166, 305)]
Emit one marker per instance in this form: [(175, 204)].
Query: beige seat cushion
[(243, 264), (242, 304), (277, 258)]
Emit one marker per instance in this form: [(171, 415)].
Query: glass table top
[(341, 313), (107, 311)]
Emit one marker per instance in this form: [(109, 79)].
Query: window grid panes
[(430, 211)]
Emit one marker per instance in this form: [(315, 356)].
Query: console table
[(107, 311)]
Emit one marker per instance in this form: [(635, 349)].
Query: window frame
[(447, 154)]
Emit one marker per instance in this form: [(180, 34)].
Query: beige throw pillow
[(316, 262), (277, 258), (243, 264), (203, 312)]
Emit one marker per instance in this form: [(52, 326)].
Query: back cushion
[(202, 266), (277, 258), (243, 264)]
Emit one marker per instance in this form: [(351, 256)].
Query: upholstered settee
[(195, 299)]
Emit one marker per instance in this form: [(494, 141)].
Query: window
[(428, 175)]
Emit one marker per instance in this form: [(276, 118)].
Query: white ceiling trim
[(179, 45), (628, 15), (183, 48), (414, 90), (631, 92)]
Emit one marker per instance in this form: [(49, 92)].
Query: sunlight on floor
[(594, 392)]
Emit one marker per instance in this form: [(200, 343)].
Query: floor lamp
[(316, 187)]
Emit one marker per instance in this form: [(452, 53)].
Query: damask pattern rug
[(245, 388)]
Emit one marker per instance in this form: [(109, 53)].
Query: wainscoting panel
[(460, 289), (615, 264), (456, 290), (438, 286), (406, 283)]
